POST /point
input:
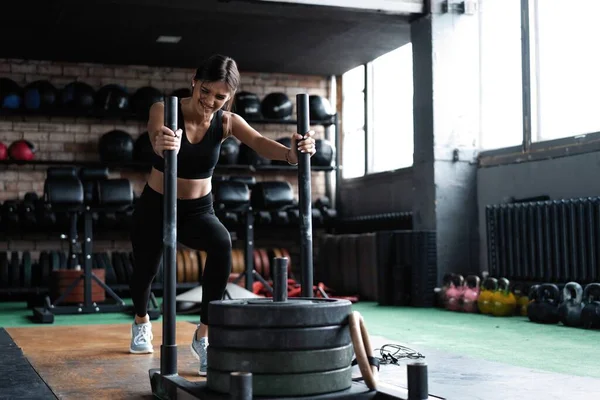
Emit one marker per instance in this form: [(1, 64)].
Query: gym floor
[(469, 356)]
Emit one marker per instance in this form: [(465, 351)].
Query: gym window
[(538, 91), (501, 85), (377, 115), (564, 68)]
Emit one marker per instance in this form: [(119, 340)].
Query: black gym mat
[(18, 378)]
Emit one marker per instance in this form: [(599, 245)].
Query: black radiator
[(550, 241)]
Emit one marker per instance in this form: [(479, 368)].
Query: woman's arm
[(167, 140), (265, 147)]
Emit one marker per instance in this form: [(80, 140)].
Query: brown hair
[(220, 68)]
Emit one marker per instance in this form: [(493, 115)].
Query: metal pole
[(240, 386), (304, 199), (417, 381), (526, 75), (168, 356), (280, 277)]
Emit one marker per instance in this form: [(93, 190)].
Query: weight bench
[(81, 195)]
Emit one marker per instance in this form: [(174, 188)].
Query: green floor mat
[(514, 340), (511, 340)]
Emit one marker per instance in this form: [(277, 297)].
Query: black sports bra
[(197, 161)]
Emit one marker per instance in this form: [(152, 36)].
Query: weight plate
[(45, 269), (180, 267), (187, 262), (54, 261), (26, 279), (127, 267), (118, 267), (4, 269), (195, 267), (15, 274), (264, 312), (286, 384), (266, 264), (314, 338), (280, 362)]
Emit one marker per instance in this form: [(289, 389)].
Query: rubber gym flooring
[(469, 356)]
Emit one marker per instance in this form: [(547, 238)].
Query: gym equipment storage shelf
[(128, 115), (136, 166)]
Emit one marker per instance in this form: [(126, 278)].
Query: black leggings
[(197, 228)]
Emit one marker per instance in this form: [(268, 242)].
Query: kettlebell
[(533, 305), (569, 310), (547, 300), (471, 294), (441, 291), (520, 290), (503, 300), (484, 301), (454, 293), (590, 314)]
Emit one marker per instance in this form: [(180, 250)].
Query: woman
[(204, 123)]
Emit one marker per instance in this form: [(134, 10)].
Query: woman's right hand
[(166, 139)]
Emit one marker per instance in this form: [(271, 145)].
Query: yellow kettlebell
[(520, 291), (504, 301), (484, 301)]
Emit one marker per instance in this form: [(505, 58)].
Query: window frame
[(540, 149), (368, 130)]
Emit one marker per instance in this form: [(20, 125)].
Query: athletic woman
[(205, 121)]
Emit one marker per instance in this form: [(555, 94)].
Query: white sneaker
[(198, 348), (141, 338)]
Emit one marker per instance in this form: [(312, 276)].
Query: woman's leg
[(146, 242), (205, 232), (209, 234)]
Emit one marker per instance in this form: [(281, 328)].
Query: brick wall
[(75, 139)]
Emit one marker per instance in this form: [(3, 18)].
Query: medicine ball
[(21, 150), (230, 150), (116, 146), (143, 98), (277, 106), (11, 94), (247, 105), (77, 96), (3, 152), (142, 150), (182, 92), (324, 153), (320, 108), (247, 156), (112, 97), (40, 95)]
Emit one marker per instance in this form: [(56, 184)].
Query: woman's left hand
[(304, 144)]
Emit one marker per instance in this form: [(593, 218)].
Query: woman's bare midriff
[(186, 188)]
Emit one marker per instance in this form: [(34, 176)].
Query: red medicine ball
[(3, 151), (21, 150)]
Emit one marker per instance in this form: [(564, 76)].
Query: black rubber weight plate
[(314, 338), (286, 384), (15, 273), (296, 312), (26, 269), (4, 270), (280, 362)]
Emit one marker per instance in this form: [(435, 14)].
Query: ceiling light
[(168, 39), (389, 6)]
